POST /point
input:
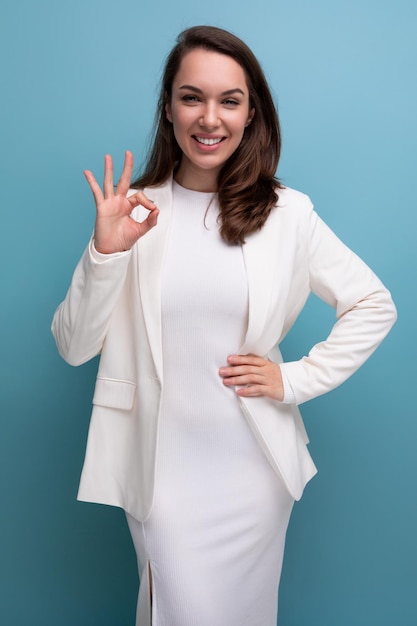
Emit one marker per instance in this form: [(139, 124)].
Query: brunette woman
[(195, 273)]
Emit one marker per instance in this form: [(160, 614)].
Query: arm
[(364, 309), (81, 321), (365, 313)]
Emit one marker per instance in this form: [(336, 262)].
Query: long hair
[(246, 184)]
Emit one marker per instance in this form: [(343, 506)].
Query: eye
[(190, 98), (231, 102)]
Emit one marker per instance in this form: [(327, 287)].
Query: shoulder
[(293, 210), (291, 218), (293, 200)]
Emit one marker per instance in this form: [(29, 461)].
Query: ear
[(168, 112), (250, 116)]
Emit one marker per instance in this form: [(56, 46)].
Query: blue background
[(79, 79)]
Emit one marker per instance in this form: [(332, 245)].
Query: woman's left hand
[(256, 376)]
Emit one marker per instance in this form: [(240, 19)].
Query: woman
[(186, 289)]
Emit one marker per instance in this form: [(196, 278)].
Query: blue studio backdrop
[(78, 80)]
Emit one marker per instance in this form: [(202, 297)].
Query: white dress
[(214, 541)]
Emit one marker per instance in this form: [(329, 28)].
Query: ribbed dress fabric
[(215, 538)]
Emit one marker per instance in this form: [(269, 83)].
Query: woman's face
[(209, 110)]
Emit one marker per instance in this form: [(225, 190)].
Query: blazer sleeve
[(81, 321), (365, 313)]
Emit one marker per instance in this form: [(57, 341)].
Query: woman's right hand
[(115, 230)]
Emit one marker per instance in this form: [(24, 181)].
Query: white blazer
[(113, 306)]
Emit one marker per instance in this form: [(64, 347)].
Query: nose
[(210, 116)]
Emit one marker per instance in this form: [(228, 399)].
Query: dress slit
[(145, 600)]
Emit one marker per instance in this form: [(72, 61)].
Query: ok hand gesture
[(115, 230)]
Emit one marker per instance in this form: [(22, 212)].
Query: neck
[(196, 179)]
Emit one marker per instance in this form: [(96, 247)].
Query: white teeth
[(209, 142)]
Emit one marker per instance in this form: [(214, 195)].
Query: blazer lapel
[(151, 252), (259, 257)]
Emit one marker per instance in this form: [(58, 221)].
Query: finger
[(245, 359), (108, 177), (251, 391), (238, 370), (152, 218), (140, 198), (94, 186), (126, 175), (248, 379), (149, 222)]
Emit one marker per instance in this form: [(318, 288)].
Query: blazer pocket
[(114, 393)]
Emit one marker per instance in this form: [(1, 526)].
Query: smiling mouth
[(208, 142)]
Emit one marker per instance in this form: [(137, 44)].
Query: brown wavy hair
[(247, 186)]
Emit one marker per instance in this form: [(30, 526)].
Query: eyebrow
[(228, 92)]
